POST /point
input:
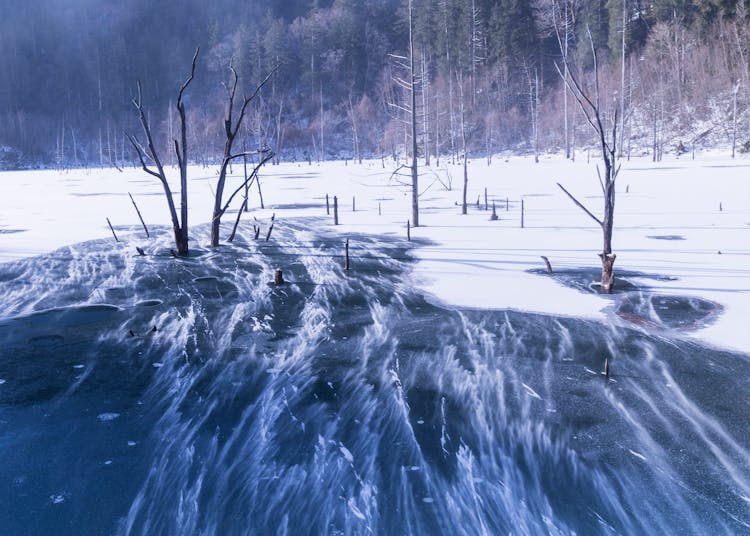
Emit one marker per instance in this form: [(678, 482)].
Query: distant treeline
[(68, 71)]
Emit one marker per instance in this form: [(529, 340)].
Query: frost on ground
[(684, 224)]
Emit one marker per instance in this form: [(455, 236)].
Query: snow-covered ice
[(686, 220)]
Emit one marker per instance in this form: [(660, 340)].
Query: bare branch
[(268, 156), (575, 90), (189, 79), (248, 100), (141, 156), (247, 153), (580, 205), (601, 182)]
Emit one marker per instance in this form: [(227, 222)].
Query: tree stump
[(278, 277), (608, 275), (494, 216)]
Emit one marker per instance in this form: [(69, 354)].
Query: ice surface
[(358, 401), (468, 260)]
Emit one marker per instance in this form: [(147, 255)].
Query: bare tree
[(414, 170), (462, 111), (591, 107), (409, 108), (231, 129), (179, 226)]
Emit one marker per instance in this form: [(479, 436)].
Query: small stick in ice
[(549, 266), (112, 229), (606, 368), (139, 215)]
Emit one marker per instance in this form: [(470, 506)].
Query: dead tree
[(410, 109), (591, 107), (463, 143), (179, 225), (231, 129), (266, 157)]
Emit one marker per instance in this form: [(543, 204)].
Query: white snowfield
[(687, 220)]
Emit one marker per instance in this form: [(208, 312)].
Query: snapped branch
[(580, 205)]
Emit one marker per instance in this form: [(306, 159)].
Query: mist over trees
[(486, 76)]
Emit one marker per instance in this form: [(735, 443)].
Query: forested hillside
[(486, 68)]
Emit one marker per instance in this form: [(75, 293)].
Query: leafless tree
[(414, 170), (149, 152), (231, 129), (409, 108), (592, 108)]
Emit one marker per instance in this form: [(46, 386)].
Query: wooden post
[(112, 229), (335, 210), (346, 261), (408, 230), (721, 207), (494, 213), (379, 212), (507, 204), (269, 232), (278, 277), (139, 216), (328, 207), (354, 205), (486, 205), (522, 213), (257, 232)]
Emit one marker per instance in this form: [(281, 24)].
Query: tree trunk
[(608, 275), (414, 164), (466, 185)]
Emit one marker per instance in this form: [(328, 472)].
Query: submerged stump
[(608, 274)]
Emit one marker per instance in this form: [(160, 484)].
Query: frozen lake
[(388, 400)]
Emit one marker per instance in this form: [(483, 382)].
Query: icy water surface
[(152, 395)]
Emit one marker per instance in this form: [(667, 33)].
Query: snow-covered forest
[(68, 72)]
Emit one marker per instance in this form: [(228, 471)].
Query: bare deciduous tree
[(231, 129), (179, 225), (591, 107)]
